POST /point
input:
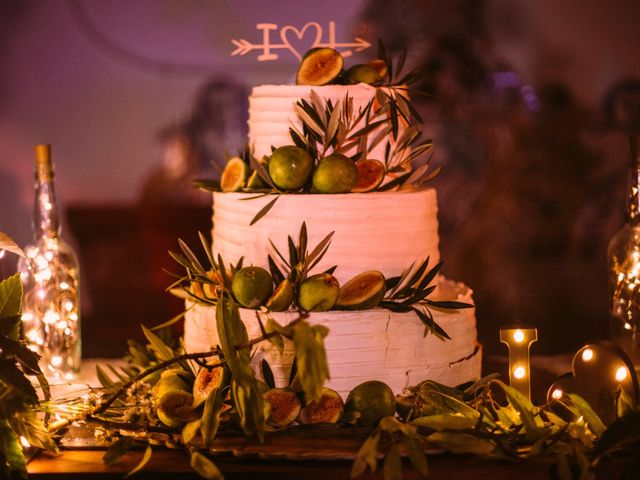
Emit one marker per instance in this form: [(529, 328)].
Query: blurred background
[(530, 103)]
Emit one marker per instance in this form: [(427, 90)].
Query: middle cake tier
[(385, 231)]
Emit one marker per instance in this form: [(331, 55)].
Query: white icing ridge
[(367, 345), (271, 112), (385, 231)]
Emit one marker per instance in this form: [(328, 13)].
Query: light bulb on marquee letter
[(519, 341)]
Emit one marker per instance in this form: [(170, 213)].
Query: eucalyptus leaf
[(211, 416), (462, 443), (117, 450), (418, 459), (190, 430), (267, 374), (311, 358), (444, 421), (392, 469), (264, 210), (162, 351), (591, 417), (205, 467), (367, 455), (143, 461), (11, 301)]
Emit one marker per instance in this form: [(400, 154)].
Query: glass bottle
[(623, 257), (50, 279)]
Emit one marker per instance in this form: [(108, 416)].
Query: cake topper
[(295, 39)]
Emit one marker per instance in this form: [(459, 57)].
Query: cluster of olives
[(252, 287)]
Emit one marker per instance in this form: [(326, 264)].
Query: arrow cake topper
[(294, 39)]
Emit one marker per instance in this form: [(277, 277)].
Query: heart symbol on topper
[(293, 38), (598, 371)]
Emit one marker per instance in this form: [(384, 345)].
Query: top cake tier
[(272, 112), (385, 231)]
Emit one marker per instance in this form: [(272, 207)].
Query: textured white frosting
[(385, 231), (367, 345), (272, 112)]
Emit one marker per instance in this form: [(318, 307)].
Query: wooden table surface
[(241, 458)]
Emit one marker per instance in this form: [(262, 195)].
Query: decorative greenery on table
[(488, 418)]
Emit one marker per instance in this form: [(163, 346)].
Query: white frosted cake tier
[(385, 231), (367, 345), (272, 112)]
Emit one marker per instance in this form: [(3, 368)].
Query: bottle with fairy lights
[(50, 279), (623, 257)]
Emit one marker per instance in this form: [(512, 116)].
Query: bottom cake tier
[(366, 345)]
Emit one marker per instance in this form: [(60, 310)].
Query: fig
[(252, 286), (363, 291), (319, 66), (282, 297), (380, 66), (374, 400), (335, 173), (327, 409), (318, 293), (170, 381), (370, 175), (176, 409), (290, 167), (363, 74), (206, 381), (284, 406), (233, 176)]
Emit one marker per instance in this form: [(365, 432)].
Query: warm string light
[(519, 341)]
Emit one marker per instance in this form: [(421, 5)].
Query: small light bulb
[(518, 336), (621, 374), (1, 253), (556, 394), (64, 286), (519, 372), (587, 355), (56, 361), (627, 326), (25, 443)]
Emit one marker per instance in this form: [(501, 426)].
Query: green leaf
[(211, 416), (143, 461), (117, 450), (162, 351), (311, 358), (13, 463), (27, 358), (591, 417), (418, 459), (190, 430), (205, 467), (207, 184), (462, 443), (13, 377), (7, 243), (392, 469), (443, 421), (197, 266), (367, 456), (267, 374), (392, 425), (11, 301), (264, 210), (276, 340), (525, 409)]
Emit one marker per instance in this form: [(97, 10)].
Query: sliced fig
[(175, 409), (327, 409), (363, 291), (319, 66), (233, 176), (284, 406), (170, 381), (370, 175), (282, 297), (206, 381)]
